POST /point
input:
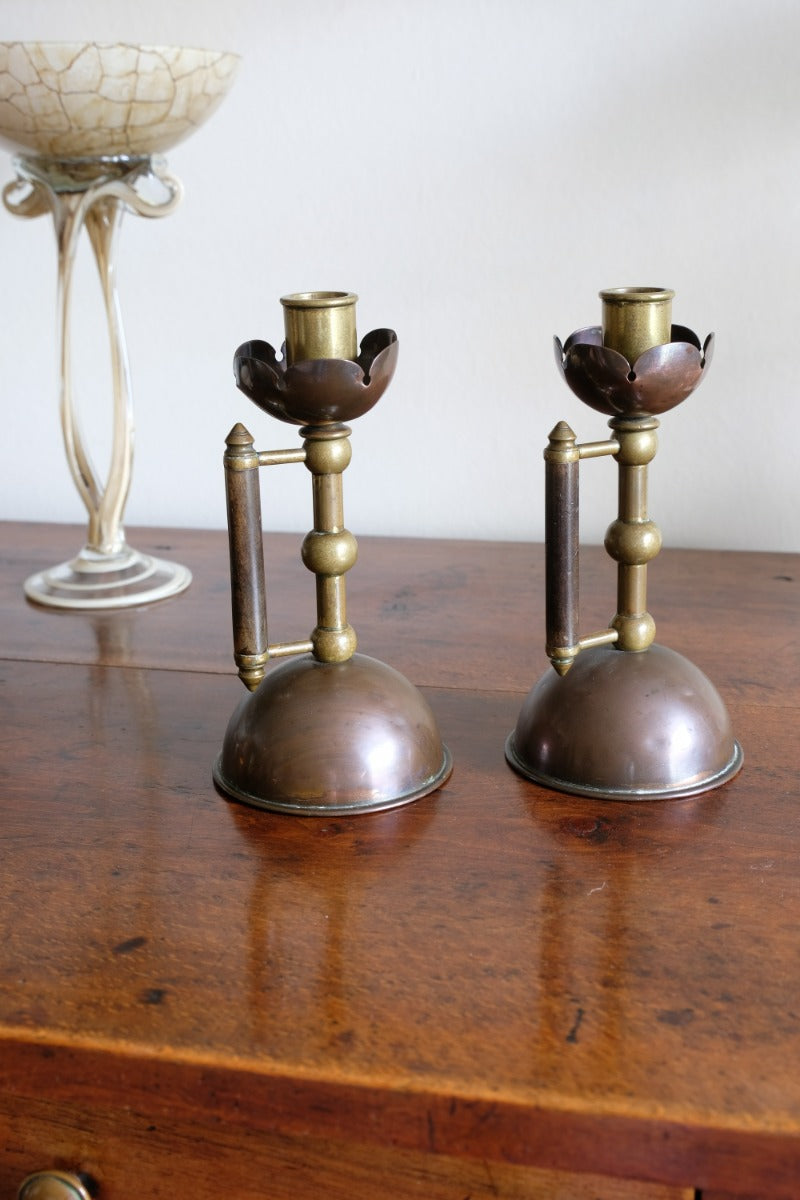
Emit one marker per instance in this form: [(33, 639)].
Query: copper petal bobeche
[(321, 390), (660, 379)]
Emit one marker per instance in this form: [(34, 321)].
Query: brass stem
[(632, 493), (328, 502), (633, 539), (328, 507), (632, 589), (329, 550), (331, 602), (322, 325)]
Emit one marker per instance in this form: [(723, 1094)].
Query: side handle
[(562, 549), (562, 546), (248, 592)]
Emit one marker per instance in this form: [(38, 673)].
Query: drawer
[(130, 1157)]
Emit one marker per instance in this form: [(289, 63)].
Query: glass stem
[(101, 216)]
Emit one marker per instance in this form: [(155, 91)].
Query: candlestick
[(620, 717), (330, 730)]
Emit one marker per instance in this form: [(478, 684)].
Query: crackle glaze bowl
[(69, 100)]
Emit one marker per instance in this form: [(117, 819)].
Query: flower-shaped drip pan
[(317, 391), (660, 379)]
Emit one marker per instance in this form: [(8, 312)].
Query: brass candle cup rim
[(642, 294), (304, 300)]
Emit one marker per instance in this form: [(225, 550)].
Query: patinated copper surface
[(625, 727), (319, 738), (320, 390), (657, 381)]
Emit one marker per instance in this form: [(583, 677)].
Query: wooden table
[(496, 991)]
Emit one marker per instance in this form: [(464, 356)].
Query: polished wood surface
[(492, 991)]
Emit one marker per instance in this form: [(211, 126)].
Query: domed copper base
[(625, 726), (321, 738)]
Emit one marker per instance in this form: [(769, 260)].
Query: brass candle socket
[(621, 717), (635, 319), (331, 731), (320, 325)]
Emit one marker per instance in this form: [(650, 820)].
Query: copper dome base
[(625, 726), (322, 738)]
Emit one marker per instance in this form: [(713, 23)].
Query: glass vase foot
[(94, 581)]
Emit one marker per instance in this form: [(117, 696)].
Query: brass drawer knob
[(53, 1185)]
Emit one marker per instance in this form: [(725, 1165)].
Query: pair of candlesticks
[(331, 730)]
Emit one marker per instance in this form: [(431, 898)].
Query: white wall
[(476, 171)]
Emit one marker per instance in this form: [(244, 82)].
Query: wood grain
[(494, 975), (446, 614), (126, 1154)]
